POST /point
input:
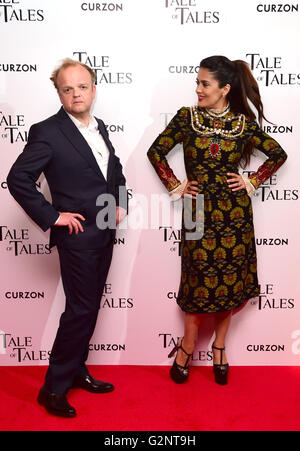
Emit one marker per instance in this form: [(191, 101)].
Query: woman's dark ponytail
[(250, 90)]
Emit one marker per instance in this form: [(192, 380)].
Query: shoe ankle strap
[(219, 349), (180, 347)]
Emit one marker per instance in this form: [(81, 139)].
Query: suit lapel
[(70, 130), (104, 135)]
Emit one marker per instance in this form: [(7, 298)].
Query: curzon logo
[(114, 128), (184, 69), (272, 241), (24, 295), (265, 348), (18, 67), (103, 7), (107, 347), (277, 8), (278, 128)]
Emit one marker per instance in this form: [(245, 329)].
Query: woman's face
[(208, 91)]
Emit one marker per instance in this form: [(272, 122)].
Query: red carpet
[(145, 399)]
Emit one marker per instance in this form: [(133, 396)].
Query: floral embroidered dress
[(218, 271)]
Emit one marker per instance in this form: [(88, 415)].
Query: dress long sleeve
[(267, 145), (164, 143)]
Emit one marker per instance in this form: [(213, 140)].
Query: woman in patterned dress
[(218, 271)]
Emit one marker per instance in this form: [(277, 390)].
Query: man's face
[(76, 91)]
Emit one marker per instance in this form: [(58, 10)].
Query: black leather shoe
[(92, 385), (56, 404)]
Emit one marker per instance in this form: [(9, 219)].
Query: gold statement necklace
[(218, 130), (218, 123)]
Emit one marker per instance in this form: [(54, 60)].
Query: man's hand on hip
[(70, 220)]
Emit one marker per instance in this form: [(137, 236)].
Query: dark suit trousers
[(83, 273)]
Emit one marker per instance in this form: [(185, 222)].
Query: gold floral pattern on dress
[(193, 280), (243, 200), (228, 238), (179, 137), (202, 178), (225, 204), (227, 144), (201, 292), (219, 271), (202, 142), (220, 254), (238, 254), (234, 157), (200, 254), (230, 279), (166, 141), (211, 280), (269, 144), (222, 292), (217, 216), (209, 242), (255, 140), (191, 152)]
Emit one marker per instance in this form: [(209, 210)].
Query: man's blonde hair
[(67, 62)]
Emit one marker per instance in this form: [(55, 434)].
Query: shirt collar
[(93, 124)]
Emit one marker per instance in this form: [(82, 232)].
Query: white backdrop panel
[(146, 56)]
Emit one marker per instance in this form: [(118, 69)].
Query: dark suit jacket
[(57, 148)]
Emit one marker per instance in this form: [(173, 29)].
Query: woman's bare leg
[(222, 323), (191, 327)]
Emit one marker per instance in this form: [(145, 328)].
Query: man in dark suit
[(73, 150)]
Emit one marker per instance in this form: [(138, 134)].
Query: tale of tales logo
[(12, 128), (12, 11), (189, 12), (101, 64), (269, 70)]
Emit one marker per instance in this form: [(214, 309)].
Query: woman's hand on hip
[(235, 181), (191, 190)]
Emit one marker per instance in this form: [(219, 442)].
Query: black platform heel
[(179, 373), (221, 370)]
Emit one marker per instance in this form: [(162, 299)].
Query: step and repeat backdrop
[(146, 56)]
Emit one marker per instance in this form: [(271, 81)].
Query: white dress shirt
[(94, 139)]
